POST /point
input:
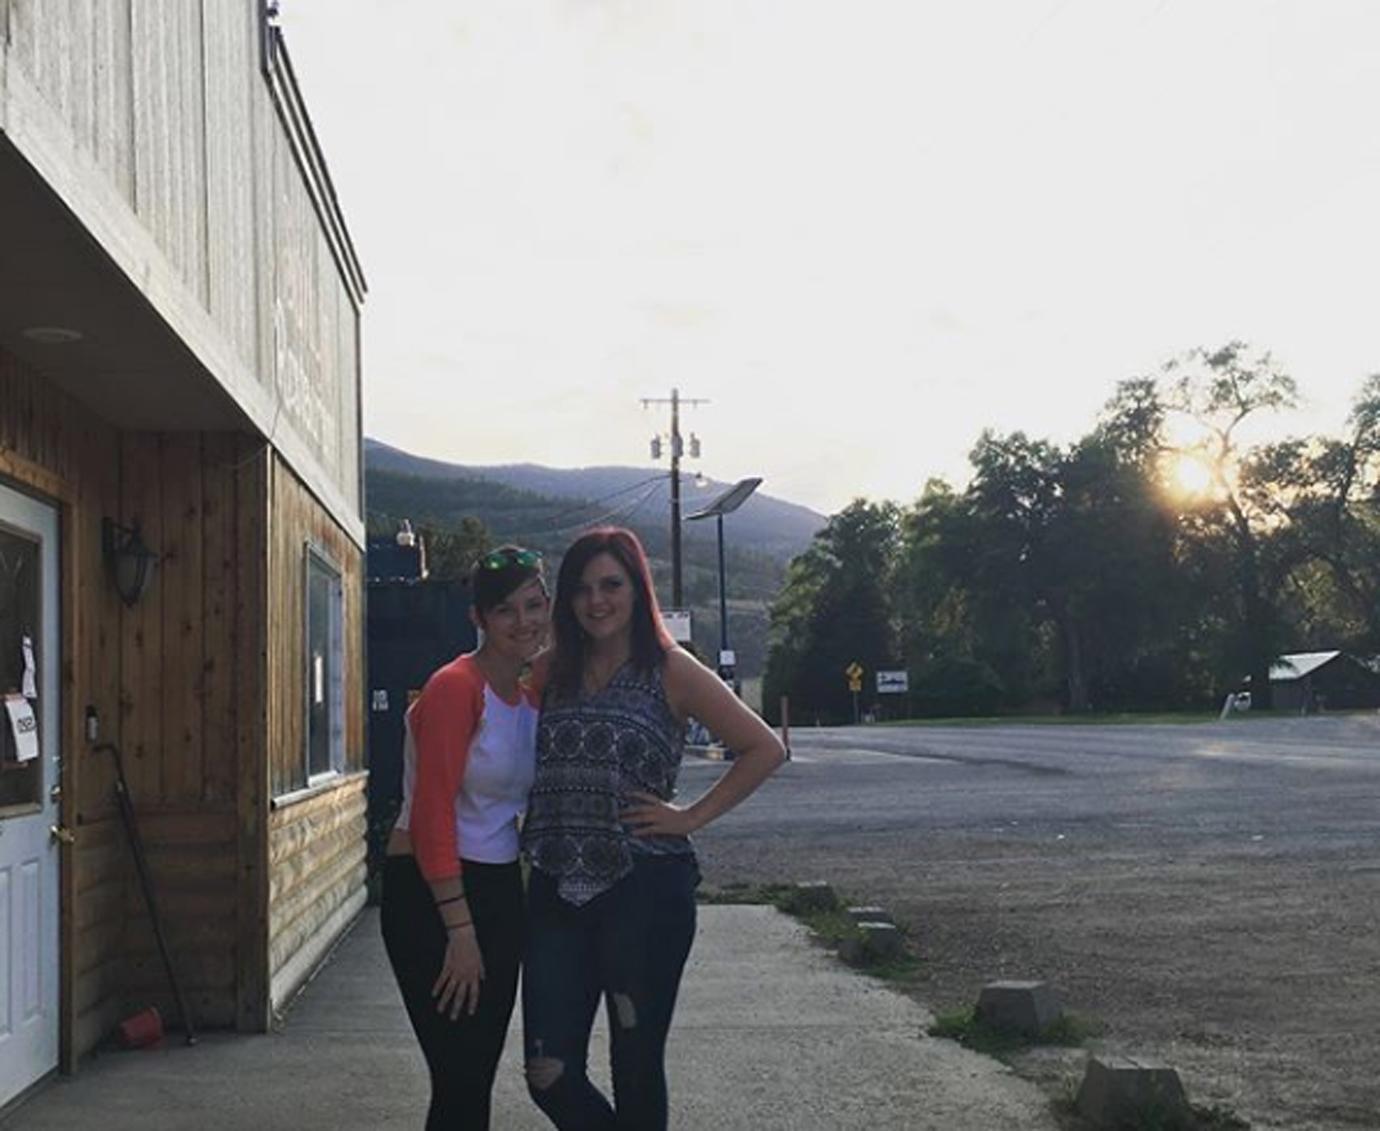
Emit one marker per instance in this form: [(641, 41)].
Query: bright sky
[(864, 230)]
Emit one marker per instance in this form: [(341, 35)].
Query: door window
[(21, 777)]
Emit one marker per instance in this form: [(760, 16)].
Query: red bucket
[(143, 1030)]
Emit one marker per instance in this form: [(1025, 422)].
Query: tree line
[(1155, 563)]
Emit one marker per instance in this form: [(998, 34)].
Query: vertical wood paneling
[(167, 99), (264, 132), (231, 76), (82, 74), (23, 33), (43, 42), (194, 707), (141, 633), (347, 422), (297, 362), (53, 444), (169, 131), (98, 613), (154, 198), (113, 93), (191, 88), (315, 382), (180, 590), (253, 711), (219, 638)]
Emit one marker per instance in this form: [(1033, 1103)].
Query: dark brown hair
[(497, 575), (650, 640)]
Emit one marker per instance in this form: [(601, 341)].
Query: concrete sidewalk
[(771, 1032)]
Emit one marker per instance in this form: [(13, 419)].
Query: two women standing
[(611, 906)]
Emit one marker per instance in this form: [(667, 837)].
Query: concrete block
[(874, 942), (1028, 1008), (871, 914), (1119, 1091), (812, 895)]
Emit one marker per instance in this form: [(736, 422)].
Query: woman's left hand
[(651, 816)]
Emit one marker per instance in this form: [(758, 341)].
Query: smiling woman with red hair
[(611, 898)]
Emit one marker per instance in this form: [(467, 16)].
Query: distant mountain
[(547, 507), (630, 495)]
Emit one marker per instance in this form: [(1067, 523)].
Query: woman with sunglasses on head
[(611, 895), (452, 913)]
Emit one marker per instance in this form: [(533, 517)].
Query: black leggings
[(461, 1055)]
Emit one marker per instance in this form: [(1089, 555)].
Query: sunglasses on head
[(502, 559)]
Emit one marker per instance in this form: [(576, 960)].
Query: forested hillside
[(461, 513), (765, 524)]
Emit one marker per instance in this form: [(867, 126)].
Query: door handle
[(62, 834)]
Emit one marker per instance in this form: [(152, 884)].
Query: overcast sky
[(864, 230)]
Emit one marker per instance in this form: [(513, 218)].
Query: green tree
[(834, 609), (1331, 520), (1219, 390), (452, 551)]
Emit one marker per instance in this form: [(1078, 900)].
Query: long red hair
[(650, 638)]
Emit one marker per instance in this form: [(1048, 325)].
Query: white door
[(29, 769)]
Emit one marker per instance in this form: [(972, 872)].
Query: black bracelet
[(453, 899)]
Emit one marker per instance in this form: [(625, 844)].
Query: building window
[(325, 654)]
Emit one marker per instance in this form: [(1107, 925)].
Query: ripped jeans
[(628, 946)]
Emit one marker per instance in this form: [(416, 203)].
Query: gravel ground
[(1209, 895)]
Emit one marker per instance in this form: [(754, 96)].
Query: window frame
[(315, 558)]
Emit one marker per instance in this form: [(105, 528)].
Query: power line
[(609, 516), (586, 504)]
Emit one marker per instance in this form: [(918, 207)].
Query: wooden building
[(179, 357), (1323, 681)]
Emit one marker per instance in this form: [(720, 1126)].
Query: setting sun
[(1188, 476)]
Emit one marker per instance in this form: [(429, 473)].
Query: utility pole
[(677, 447)]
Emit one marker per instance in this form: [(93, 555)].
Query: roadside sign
[(892, 683), (854, 670), (677, 622), (727, 658), (854, 684)]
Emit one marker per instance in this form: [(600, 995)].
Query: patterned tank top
[(592, 752)]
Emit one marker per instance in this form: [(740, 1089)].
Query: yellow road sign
[(854, 684), (854, 670)]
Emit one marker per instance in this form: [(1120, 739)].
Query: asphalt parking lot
[(1209, 894)]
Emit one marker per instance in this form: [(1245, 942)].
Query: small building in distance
[(1316, 681)]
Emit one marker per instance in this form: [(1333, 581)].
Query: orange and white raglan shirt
[(469, 757)]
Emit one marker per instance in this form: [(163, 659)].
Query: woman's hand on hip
[(650, 816), (462, 971)]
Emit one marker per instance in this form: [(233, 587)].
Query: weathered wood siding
[(177, 684), (186, 648), (316, 843), (299, 521), (164, 102), (316, 886)]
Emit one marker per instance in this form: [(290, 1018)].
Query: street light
[(729, 501)]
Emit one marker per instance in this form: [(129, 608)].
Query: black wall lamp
[(128, 559)]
